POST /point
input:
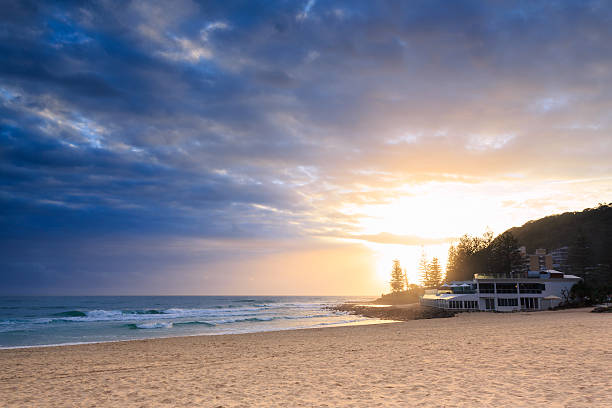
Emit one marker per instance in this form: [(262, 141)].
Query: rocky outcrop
[(413, 312)]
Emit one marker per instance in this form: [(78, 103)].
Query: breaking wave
[(151, 325), (71, 313), (49, 321)]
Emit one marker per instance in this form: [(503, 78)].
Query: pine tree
[(435, 274), (451, 264), (504, 256), (579, 255), (397, 277), (423, 269), (406, 278)]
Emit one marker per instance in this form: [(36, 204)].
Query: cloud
[(388, 238), (304, 13), (259, 120), (549, 104), (488, 142)]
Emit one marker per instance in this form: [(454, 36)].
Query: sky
[(287, 147)]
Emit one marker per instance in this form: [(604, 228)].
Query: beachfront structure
[(538, 290)]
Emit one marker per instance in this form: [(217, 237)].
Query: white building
[(537, 291)]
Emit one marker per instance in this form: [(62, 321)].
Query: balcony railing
[(518, 275)]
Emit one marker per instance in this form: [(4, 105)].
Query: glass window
[(506, 288), (530, 303), (531, 287), (487, 288), (507, 302)]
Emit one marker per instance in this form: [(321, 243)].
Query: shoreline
[(374, 321), (380, 314), (58, 321)]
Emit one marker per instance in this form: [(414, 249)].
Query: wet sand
[(561, 358)]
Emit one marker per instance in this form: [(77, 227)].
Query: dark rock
[(602, 309), (415, 312)]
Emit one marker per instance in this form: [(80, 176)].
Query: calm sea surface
[(51, 320)]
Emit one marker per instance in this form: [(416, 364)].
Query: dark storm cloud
[(251, 119)]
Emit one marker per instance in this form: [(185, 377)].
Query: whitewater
[(55, 320)]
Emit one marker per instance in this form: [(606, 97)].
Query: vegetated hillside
[(556, 231)]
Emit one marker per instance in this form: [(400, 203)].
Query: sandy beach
[(561, 358)]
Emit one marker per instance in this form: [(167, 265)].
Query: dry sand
[(559, 358)]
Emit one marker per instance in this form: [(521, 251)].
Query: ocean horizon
[(30, 321)]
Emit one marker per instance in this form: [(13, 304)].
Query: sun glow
[(429, 216), (434, 210), (408, 255), (425, 218)]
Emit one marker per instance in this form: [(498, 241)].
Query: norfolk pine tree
[(435, 274), (424, 269), (450, 264), (397, 277)]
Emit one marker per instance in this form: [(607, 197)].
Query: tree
[(423, 269), (579, 256), (488, 237), (468, 257), (397, 277), (581, 293), (434, 274), (504, 255), (450, 264)]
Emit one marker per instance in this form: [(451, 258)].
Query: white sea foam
[(119, 315), (132, 318), (216, 316), (154, 325)]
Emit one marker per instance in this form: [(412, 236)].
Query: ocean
[(27, 321)]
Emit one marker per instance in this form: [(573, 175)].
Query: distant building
[(504, 294), (540, 261), (560, 257), (533, 263)]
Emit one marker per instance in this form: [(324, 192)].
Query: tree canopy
[(434, 274), (467, 257), (504, 256), (423, 269), (397, 277)]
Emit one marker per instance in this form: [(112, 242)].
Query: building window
[(486, 288), (471, 304), (463, 304), (507, 302), (531, 287), (506, 288), (530, 303)]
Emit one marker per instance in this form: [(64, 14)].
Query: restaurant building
[(538, 290)]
